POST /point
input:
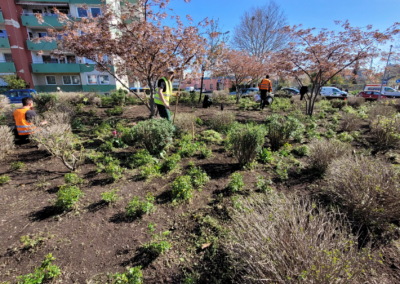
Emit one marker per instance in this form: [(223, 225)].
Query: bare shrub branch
[(6, 141)]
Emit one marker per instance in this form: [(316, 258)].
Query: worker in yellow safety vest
[(265, 88), (24, 119), (163, 94)]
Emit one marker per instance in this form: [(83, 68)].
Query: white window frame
[(89, 10), (55, 79), (87, 79), (70, 77), (98, 79)]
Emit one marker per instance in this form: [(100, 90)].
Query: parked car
[(189, 89), (246, 92), (387, 91), (16, 96), (291, 91), (370, 96), (332, 92)]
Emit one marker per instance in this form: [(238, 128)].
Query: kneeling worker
[(163, 93), (24, 118), (265, 88)]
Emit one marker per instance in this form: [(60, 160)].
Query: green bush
[(153, 134), (171, 162), (182, 188), (4, 179), (67, 196), (205, 152), (136, 207), (386, 130), (111, 166), (187, 148), (197, 176), (117, 110), (222, 121), (236, 183), (106, 101), (132, 276), (140, 158), (44, 274), (338, 104), (119, 97), (280, 129), (265, 156), (110, 196), (246, 142), (345, 137), (211, 136), (45, 101), (73, 179), (301, 151)]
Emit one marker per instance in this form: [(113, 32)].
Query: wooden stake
[(177, 97)]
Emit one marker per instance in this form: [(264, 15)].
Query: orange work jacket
[(265, 85), (23, 126)]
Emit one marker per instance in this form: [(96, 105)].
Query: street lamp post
[(384, 73)]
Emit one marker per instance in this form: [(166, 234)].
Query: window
[(24, 94), (71, 59), (211, 86), (88, 61), (12, 94), (8, 57), (49, 59), (36, 11), (92, 79), (51, 80), (104, 80), (42, 35), (71, 80), (94, 11), (3, 34), (195, 86)]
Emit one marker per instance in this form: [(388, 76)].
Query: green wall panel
[(55, 68), (31, 21), (44, 45), (99, 88), (1, 18), (88, 2), (4, 43), (7, 67), (53, 88)]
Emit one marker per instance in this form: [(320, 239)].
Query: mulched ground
[(97, 239)]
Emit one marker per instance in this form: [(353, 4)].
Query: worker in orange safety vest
[(24, 119), (265, 88)]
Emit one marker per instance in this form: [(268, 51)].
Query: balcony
[(1, 18), (7, 67), (44, 45), (4, 43), (55, 68), (88, 2), (50, 20)]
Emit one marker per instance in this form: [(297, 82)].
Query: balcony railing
[(43, 14)]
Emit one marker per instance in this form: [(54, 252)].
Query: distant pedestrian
[(265, 88)]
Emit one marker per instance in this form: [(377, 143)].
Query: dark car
[(291, 91), (370, 96), (16, 96)]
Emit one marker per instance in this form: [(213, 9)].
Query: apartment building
[(20, 55)]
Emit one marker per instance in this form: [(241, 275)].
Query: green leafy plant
[(119, 97), (198, 176), (236, 183), (265, 156), (386, 130), (246, 142), (152, 134), (136, 207), (222, 121), (4, 179), (17, 166), (171, 162), (152, 169), (282, 168), (140, 158), (345, 137), (187, 148), (67, 196), (46, 272), (77, 124), (45, 101), (111, 166), (280, 129), (132, 276), (301, 151), (117, 110), (73, 179), (330, 134), (205, 152), (211, 136), (285, 151), (264, 185), (182, 188), (199, 121), (159, 244), (14, 82), (110, 196)]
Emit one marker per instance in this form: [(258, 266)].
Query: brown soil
[(96, 239)]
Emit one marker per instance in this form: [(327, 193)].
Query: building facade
[(209, 84), (20, 56)]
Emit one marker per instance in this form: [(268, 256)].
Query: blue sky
[(311, 13)]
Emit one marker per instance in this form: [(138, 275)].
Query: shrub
[(119, 97), (381, 110), (222, 121), (301, 151), (6, 141), (171, 162), (211, 136), (350, 122), (265, 156), (264, 185), (355, 102), (106, 101), (4, 103), (132, 276), (150, 170), (222, 95), (345, 137), (386, 130), (280, 129), (198, 177), (330, 134), (323, 152), (205, 152), (59, 141), (185, 122), (246, 142), (67, 196), (338, 104), (182, 188), (236, 183), (199, 121), (187, 148), (45, 101), (117, 110), (111, 166), (153, 134), (366, 188), (136, 207), (140, 158), (44, 274), (73, 179), (285, 151), (4, 179), (293, 240), (110, 196)]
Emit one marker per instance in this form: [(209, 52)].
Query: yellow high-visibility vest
[(167, 94)]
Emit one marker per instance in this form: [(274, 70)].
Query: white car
[(189, 89), (332, 92)]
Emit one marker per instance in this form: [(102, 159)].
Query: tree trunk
[(151, 100), (201, 85), (237, 94)]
